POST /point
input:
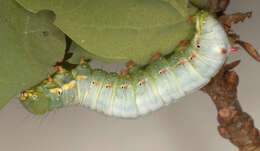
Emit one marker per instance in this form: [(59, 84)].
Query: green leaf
[(120, 29), (29, 45), (78, 52), (200, 3)]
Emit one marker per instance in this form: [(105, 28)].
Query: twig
[(235, 125)]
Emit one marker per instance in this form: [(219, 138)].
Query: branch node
[(223, 132), (255, 132), (224, 112), (231, 79)]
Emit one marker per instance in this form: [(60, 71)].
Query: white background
[(189, 125)]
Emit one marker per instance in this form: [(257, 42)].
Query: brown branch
[(235, 124)]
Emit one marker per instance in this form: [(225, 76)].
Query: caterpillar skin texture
[(142, 90)]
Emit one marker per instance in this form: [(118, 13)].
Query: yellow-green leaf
[(120, 29), (29, 45)]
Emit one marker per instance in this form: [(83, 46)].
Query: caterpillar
[(140, 90)]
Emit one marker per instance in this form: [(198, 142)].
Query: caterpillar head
[(35, 101), (42, 98)]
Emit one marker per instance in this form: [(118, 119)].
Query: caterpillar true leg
[(141, 89)]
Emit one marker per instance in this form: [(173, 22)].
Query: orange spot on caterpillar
[(156, 55), (183, 43), (129, 64), (124, 86), (192, 56), (49, 78), (234, 48), (223, 51), (59, 68), (163, 70), (23, 96), (142, 82), (123, 72), (109, 85), (81, 60), (181, 62)]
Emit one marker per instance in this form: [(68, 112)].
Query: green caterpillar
[(140, 90)]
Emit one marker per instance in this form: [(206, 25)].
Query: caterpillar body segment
[(90, 98), (142, 89), (204, 68), (83, 76), (166, 81), (107, 94), (147, 97), (124, 104)]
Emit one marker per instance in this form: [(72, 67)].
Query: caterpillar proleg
[(141, 90)]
